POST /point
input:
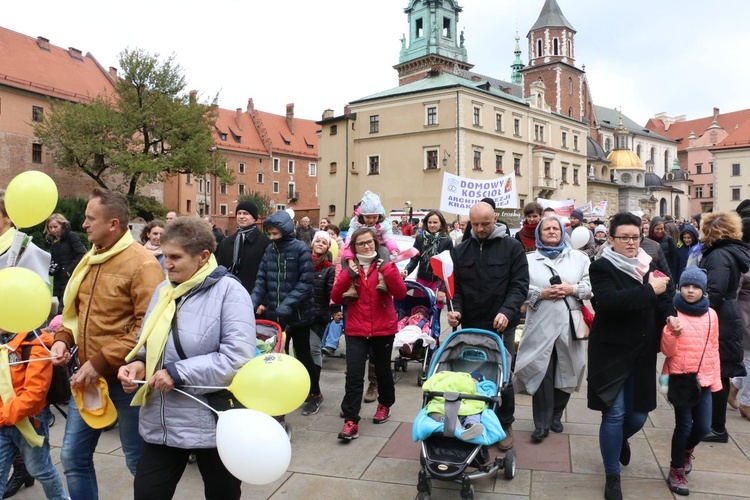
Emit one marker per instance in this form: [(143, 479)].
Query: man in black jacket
[(492, 280), (241, 253)]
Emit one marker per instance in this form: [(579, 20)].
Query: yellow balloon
[(273, 383), (334, 249), (30, 198), (25, 299)]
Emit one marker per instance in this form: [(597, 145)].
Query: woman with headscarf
[(430, 242), (725, 258), (658, 233), (549, 362)]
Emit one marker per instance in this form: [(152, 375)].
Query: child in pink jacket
[(684, 350)]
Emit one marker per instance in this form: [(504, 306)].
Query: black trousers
[(548, 402), (508, 402), (160, 469), (719, 406), (300, 338), (357, 349)]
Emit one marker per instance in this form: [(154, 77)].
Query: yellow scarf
[(6, 240), (7, 393), (158, 323), (70, 311)]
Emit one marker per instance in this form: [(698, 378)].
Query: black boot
[(20, 477), (612, 489)]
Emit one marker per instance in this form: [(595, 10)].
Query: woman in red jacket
[(371, 325)]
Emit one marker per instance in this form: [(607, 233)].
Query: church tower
[(552, 60), (434, 44), (517, 65)]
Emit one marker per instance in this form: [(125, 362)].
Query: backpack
[(59, 389)]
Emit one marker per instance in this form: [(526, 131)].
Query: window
[(419, 27), (711, 168), (517, 127), (312, 169), (735, 169), (564, 175), (499, 163), (570, 86), (276, 165), (223, 188), (699, 191), (517, 165), (189, 206), (547, 169), (499, 122), (575, 176), (555, 47), (539, 48), (331, 209), (374, 124), (608, 144), (290, 192), (290, 166), (334, 129), (240, 189), (223, 209), (332, 167), (477, 165), (200, 185), (477, 116), (241, 168), (432, 116), (575, 142), (36, 153), (447, 27), (223, 136), (37, 113), (698, 168), (710, 190), (432, 159), (275, 186), (564, 139), (373, 163), (539, 133), (188, 179), (735, 194), (260, 178)]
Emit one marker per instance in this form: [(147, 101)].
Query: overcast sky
[(648, 56)]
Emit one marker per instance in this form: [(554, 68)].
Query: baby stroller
[(418, 295), (270, 333), (443, 456)]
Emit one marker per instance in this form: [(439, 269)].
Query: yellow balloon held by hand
[(273, 383), (30, 198), (25, 299)]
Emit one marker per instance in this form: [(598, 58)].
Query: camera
[(53, 268), (555, 280)]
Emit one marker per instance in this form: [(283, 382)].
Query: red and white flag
[(442, 267)]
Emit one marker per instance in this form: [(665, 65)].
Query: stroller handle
[(456, 396)]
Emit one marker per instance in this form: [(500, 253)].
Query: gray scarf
[(238, 242), (635, 267)]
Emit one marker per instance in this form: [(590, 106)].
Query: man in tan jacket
[(105, 302)]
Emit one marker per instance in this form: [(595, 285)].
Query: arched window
[(666, 161), (639, 179), (555, 47), (676, 210), (663, 206), (570, 112), (607, 144), (539, 48), (653, 154), (638, 150), (570, 48), (570, 86)]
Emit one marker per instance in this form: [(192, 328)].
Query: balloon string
[(28, 361), (183, 393)]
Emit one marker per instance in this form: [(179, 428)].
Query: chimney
[(250, 106), (290, 117), (113, 72), (193, 96), (716, 113), (348, 111), (75, 53), (238, 117), (328, 113), (43, 43)]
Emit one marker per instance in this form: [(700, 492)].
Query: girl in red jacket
[(371, 325), (692, 349)]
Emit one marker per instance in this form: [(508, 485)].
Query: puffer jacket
[(323, 280), (285, 278), (216, 326), (111, 302), (684, 352), (373, 313), (683, 252), (725, 261), (743, 297)]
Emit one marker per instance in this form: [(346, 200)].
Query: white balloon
[(290, 211), (579, 237), (565, 221), (252, 445)]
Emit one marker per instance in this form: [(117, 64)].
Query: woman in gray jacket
[(199, 330)]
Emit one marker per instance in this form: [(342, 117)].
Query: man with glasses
[(491, 276)]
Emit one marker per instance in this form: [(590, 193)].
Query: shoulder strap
[(176, 337)]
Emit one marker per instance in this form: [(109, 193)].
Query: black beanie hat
[(248, 206)]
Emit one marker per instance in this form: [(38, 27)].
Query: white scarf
[(635, 267)]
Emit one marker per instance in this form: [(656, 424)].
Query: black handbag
[(684, 390)]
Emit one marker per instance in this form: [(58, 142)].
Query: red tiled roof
[(54, 72), (738, 138), (682, 130), (241, 137), (303, 142)]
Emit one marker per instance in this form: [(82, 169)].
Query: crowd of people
[(178, 310)]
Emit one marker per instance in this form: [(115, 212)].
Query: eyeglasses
[(363, 244), (626, 239)]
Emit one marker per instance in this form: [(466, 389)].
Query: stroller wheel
[(404, 363), (509, 465), (423, 495), (467, 494), (421, 378), (424, 486)]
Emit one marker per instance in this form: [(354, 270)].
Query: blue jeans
[(332, 334), (80, 440), (619, 423), (690, 426), (38, 461)]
